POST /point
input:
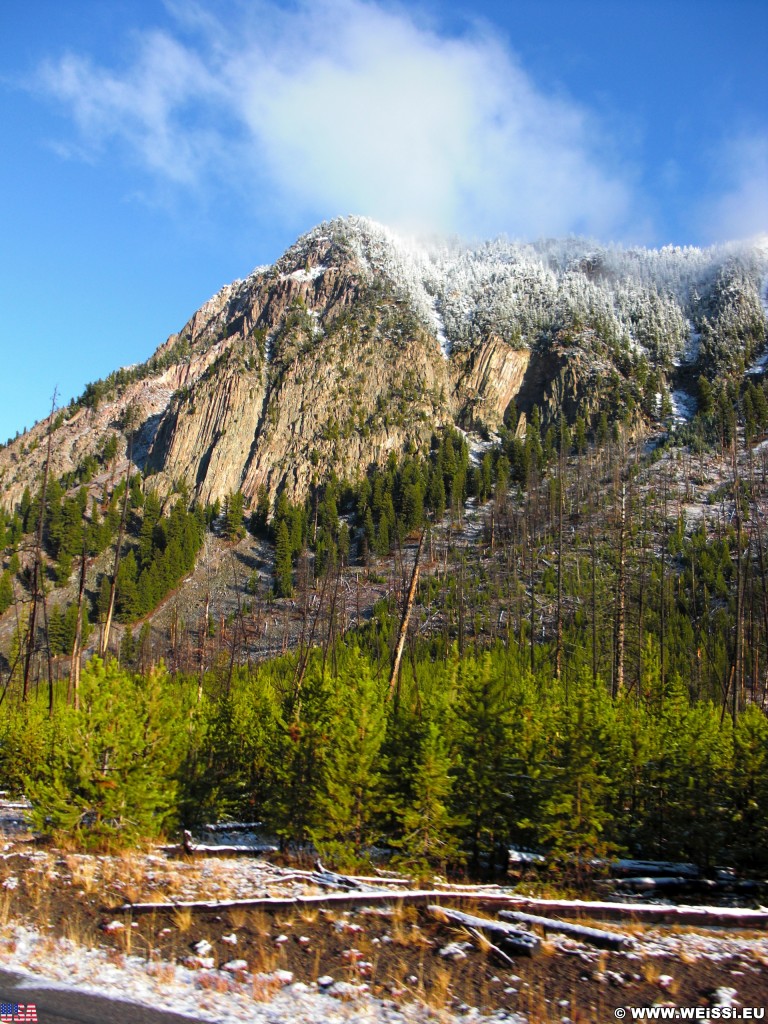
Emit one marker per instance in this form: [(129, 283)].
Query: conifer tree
[(351, 769), (6, 591), (283, 566), (429, 829), (298, 749), (482, 758), (576, 809), (108, 775), (749, 788), (234, 529), (260, 516)]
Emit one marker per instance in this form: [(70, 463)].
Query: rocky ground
[(68, 916)]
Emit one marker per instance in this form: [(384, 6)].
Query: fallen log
[(493, 949), (639, 913), (646, 913), (625, 867), (593, 936), (322, 876), (508, 938), (270, 903), (336, 899), (664, 883), (190, 847)]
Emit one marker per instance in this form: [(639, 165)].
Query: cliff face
[(322, 369), (488, 379), (355, 344)]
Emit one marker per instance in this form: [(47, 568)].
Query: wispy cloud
[(336, 106), (741, 211)]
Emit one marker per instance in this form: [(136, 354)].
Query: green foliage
[(62, 626), (260, 516), (348, 798), (283, 565), (166, 552), (234, 528), (483, 765), (107, 774), (469, 755), (429, 837), (6, 591)]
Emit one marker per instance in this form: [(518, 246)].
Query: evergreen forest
[(559, 642)]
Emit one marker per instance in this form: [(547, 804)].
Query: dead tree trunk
[(120, 534), (405, 619), (74, 668), (37, 581), (560, 504), (618, 675)]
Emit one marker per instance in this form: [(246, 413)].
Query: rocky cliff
[(356, 343)]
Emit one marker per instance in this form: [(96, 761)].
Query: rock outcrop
[(356, 344), (492, 379)]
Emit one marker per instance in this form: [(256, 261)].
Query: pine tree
[(56, 631), (482, 758), (127, 648), (369, 536), (108, 775), (298, 748), (575, 811), (351, 769), (283, 567), (234, 529), (6, 591), (429, 829), (749, 787), (260, 516)]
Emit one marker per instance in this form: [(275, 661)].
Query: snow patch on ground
[(691, 349), (759, 366), (227, 996), (684, 406), (439, 327), (310, 274)]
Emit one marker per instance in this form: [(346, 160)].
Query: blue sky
[(153, 151)]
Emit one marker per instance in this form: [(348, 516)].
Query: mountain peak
[(360, 341)]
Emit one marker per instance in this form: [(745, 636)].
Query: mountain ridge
[(357, 342)]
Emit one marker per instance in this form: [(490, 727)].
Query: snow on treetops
[(644, 299)]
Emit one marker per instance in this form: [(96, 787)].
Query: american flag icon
[(18, 1013)]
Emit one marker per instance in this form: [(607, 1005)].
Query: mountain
[(357, 343), (557, 640)]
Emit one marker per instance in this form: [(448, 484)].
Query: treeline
[(166, 550), (63, 529), (466, 756), (373, 516)]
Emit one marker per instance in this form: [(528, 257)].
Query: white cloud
[(338, 106), (742, 210)]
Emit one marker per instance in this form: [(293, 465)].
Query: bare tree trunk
[(37, 581), (48, 655), (301, 665), (618, 676), (120, 534), (203, 645), (560, 503), (405, 619), (331, 616), (74, 668)]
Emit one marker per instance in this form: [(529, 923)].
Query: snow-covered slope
[(654, 301), (358, 342)]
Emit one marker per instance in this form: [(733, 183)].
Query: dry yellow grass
[(237, 916), (182, 919)]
